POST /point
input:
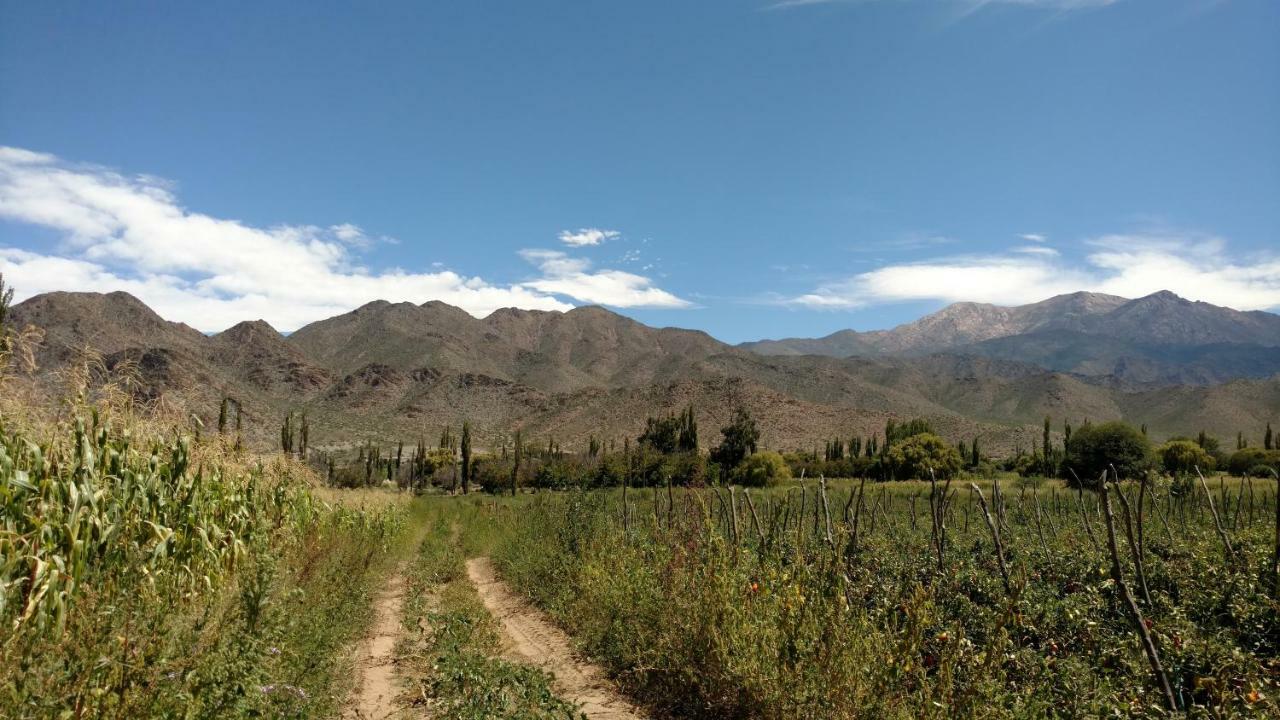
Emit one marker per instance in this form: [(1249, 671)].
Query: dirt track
[(530, 638), (375, 697)]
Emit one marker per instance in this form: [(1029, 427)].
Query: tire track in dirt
[(529, 637), (375, 696)]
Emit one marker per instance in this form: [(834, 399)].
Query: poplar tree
[(6, 302), (466, 457), (519, 455)]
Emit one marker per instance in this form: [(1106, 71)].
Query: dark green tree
[(687, 441), (738, 440), (515, 465), (663, 434), (1266, 439), (1095, 448), (466, 457), (222, 417), (6, 302), (286, 434)]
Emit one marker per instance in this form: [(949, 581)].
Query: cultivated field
[(148, 572)]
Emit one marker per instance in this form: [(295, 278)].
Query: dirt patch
[(375, 696), (529, 637)]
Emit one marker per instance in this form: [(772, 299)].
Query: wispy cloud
[(131, 233), (1130, 265), (1036, 250), (587, 236), (565, 275), (1033, 237)]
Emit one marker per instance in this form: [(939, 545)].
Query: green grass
[(453, 646), (701, 625)]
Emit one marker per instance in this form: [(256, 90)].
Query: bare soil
[(376, 694), (529, 637)]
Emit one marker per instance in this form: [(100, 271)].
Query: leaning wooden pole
[(1217, 521), (995, 538), (1131, 605)]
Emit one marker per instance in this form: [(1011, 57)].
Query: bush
[(1179, 457), (920, 453), (1096, 448), (762, 469), (1251, 460)]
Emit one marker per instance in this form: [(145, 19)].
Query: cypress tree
[(222, 417), (1266, 439), (286, 434), (515, 466), (466, 457), (6, 301), (305, 436)]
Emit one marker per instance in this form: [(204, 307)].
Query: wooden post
[(994, 527), (1217, 522), (1135, 615)]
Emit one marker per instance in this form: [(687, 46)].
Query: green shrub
[(1179, 457), (1094, 449), (921, 452), (762, 469), (1247, 460)]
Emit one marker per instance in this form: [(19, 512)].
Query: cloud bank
[(130, 233), (1195, 267)]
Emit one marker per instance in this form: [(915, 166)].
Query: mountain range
[(400, 371), (1160, 339)]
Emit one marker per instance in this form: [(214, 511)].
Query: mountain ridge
[(399, 370)]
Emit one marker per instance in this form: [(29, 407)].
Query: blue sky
[(747, 169)]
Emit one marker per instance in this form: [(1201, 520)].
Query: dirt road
[(530, 637), (375, 697)]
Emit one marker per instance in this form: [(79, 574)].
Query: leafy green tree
[(896, 432), (1253, 461), (662, 434), (1180, 457), (762, 469), (917, 454), (738, 440), (1095, 448)]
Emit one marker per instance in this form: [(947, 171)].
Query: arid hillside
[(402, 371)]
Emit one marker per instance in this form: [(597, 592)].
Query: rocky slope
[(402, 371), (1160, 339)]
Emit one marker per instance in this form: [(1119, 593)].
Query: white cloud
[(1193, 266), (564, 275), (587, 236), (130, 233), (1034, 237), (1036, 250)]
